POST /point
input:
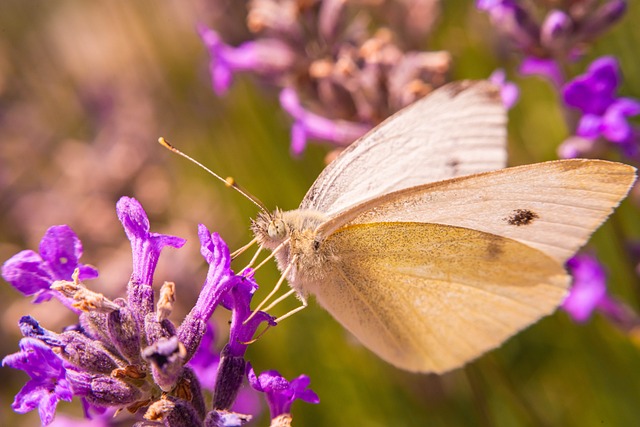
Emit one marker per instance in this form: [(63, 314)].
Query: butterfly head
[(270, 229)]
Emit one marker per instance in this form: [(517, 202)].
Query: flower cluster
[(561, 34), (550, 45), (126, 353), (337, 78), (604, 114)]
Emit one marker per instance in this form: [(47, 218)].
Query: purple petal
[(308, 125), (47, 384), (263, 57), (487, 4), (555, 28), (508, 91), (133, 218), (615, 126), (575, 147), (589, 287), (605, 74), (281, 393), (61, 249), (547, 68), (594, 91), (589, 126), (206, 359), (27, 272), (298, 139)]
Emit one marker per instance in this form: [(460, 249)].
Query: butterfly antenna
[(229, 181)]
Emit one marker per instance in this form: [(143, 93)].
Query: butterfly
[(420, 242)]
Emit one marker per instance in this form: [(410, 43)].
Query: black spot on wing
[(520, 217), (453, 165)]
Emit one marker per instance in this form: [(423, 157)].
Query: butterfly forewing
[(440, 301), (553, 206), (457, 130)]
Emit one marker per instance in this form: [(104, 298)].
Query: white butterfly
[(422, 246)]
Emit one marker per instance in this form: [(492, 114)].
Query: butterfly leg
[(277, 301), (244, 248), (271, 255), (295, 310), (273, 291), (253, 259)]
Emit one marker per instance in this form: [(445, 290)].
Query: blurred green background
[(87, 87)]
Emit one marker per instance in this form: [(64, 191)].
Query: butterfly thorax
[(298, 227)]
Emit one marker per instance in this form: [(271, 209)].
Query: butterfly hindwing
[(428, 297)]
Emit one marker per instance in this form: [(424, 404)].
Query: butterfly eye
[(277, 229)]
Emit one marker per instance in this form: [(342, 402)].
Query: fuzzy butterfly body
[(419, 242)]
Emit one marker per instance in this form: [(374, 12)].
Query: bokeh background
[(86, 88)]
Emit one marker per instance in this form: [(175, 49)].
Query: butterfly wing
[(553, 206), (457, 130), (429, 297)]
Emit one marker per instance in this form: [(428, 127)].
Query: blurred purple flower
[(281, 393), (508, 90), (589, 288), (205, 360), (555, 30), (604, 114), (48, 384), (263, 57), (544, 67), (308, 125), (513, 21), (32, 273)]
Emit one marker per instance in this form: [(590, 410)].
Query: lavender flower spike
[(32, 273), (146, 248), (281, 393), (48, 384), (220, 279)]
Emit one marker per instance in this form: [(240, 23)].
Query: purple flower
[(239, 302), (281, 393), (589, 287), (146, 248), (32, 273), (263, 57), (545, 67), (508, 90), (308, 125), (205, 360), (594, 94), (48, 384), (220, 280)]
